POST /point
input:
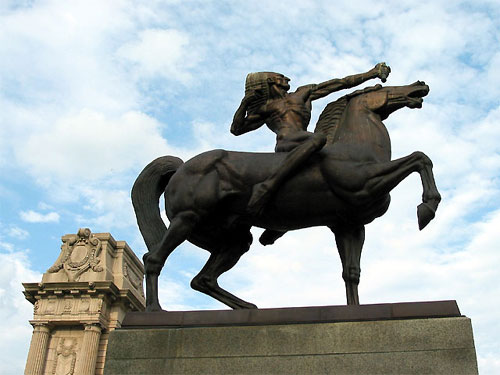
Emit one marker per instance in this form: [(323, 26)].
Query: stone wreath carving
[(79, 253)]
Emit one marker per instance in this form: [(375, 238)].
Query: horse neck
[(362, 134)]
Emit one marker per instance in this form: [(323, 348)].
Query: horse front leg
[(383, 177), (350, 242)]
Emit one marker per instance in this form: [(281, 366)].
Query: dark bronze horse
[(345, 186)]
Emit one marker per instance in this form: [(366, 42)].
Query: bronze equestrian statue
[(343, 185)]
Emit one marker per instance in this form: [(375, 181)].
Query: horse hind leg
[(221, 260), (155, 258), (350, 242)]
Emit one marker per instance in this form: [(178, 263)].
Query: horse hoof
[(243, 305), (425, 213), (154, 308)]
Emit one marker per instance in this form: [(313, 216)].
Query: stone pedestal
[(82, 297), (417, 338)]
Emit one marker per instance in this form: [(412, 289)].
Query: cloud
[(6, 246), (36, 217), (90, 145), (165, 53), (15, 311), (18, 233)]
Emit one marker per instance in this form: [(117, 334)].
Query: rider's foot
[(260, 196)]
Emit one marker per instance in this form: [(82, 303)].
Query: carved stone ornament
[(135, 279), (36, 308), (65, 360), (78, 254)]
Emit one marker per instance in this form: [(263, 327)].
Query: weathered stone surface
[(86, 293), (412, 346)]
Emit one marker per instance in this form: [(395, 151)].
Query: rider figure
[(267, 101)]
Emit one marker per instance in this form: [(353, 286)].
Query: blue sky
[(91, 91)]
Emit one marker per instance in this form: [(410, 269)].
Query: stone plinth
[(82, 297), (430, 338)]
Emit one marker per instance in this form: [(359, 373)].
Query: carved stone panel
[(134, 278), (65, 360)]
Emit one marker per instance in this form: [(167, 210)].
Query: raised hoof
[(425, 213)]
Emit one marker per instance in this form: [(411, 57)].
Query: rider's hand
[(382, 71), (251, 96)]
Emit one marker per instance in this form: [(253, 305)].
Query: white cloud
[(15, 311), (36, 217), (45, 206), (106, 210), (6, 246), (90, 145), (161, 52), (19, 233)]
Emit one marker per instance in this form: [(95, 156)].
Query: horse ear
[(376, 99)]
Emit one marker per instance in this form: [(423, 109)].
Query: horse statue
[(344, 186)]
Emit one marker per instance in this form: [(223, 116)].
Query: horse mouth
[(415, 98), (415, 102)]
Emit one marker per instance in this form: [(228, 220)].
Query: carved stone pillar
[(94, 282), (38, 350), (90, 346)]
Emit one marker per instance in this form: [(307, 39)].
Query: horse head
[(382, 100), (388, 99)]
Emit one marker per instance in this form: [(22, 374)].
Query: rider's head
[(260, 85), (279, 80)]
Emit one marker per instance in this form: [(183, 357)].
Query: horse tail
[(146, 192)]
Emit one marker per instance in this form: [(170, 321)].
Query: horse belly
[(305, 200)]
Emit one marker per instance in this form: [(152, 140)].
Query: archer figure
[(267, 101)]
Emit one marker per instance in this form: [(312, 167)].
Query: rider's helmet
[(258, 83)]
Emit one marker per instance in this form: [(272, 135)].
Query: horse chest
[(364, 139)]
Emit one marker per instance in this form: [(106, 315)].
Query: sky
[(92, 91)]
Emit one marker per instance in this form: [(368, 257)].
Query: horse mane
[(329, 119)]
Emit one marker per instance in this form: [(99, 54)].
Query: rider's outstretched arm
[(242, 123), (323, 89)]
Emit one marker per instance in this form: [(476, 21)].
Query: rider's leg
[(295, 158)]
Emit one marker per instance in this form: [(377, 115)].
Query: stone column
[(88, 353), (38, 350), (93, 283)]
